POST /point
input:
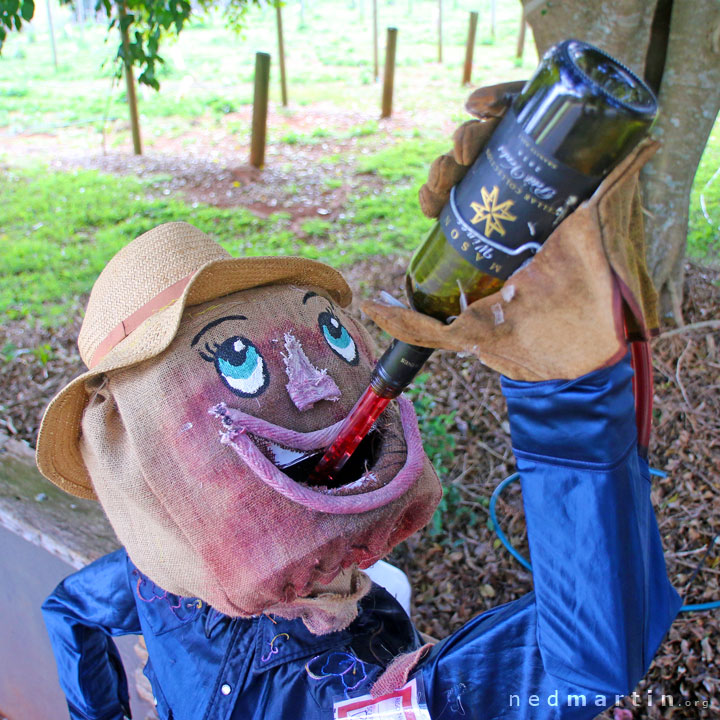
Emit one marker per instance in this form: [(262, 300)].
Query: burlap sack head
[(184, 451)]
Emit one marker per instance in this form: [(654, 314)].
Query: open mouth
[(385, 464), (355, 475)]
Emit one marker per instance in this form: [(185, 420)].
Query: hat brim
[(58, 453)]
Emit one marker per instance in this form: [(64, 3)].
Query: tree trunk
[(620, 27), (683, 65), (689, 103)]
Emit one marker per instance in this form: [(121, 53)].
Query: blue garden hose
[(526, 564)]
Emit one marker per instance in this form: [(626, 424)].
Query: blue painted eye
[(241, 367), (338, 338)]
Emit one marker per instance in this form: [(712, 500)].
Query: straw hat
[(134, 312)]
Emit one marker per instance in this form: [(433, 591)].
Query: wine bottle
[(578, 116)]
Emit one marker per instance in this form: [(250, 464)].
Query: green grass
[(208, 70), (389, 219), (439, 444), (60, 229), (703, 242)]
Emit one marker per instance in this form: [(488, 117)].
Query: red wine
[(392, 374)]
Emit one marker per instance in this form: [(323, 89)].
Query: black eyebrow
[(311, 294), (214, 323)]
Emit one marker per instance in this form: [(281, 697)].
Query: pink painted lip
[(237, 426)]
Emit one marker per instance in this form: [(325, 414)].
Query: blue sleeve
[(81, 615), (602, 600)]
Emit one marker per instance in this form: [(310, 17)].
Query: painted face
[(279, 356), (225, 426)]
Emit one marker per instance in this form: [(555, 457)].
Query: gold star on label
[(492, 212)]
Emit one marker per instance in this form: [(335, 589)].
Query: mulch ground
[(462, 570)]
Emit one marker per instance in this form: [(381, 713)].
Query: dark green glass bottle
[(579, 115)]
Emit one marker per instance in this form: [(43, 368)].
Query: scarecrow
[(212, 379)]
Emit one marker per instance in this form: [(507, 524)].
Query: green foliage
[(332, 183), (439, 444), (408, 161), (704, 220), (43, 353), (143, 24), (10, 352), (368, 128), (13, 13), (316, 228), (389, 218), (434, 427)]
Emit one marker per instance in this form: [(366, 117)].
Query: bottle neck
[(397, 368)]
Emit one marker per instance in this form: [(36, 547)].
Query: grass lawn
[(704, 228), (208, 70), (59, 228)]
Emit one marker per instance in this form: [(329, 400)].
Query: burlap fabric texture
[(182, 446)]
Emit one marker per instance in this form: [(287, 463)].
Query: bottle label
[(510, 201)]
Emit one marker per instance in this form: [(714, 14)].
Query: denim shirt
[(586, 635)]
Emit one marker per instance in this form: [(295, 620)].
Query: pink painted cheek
[(311, 340), (262, 552), (191, 435)]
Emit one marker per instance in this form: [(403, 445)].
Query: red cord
[(643, 391)]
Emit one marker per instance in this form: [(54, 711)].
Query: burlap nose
[(133, 314)]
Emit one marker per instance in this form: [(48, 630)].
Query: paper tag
[(403, 704)]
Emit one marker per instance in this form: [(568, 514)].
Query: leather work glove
[(568, 311)]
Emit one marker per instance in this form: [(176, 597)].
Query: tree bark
[(620, 27), (686, 74), (689, 103)]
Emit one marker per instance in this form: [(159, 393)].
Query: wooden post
[(470, 48), (388, 81), (439, 31), (375, 42), (130, 82), (521, 38), (260, 109), (281, 54), (52, 34), (493, 8)]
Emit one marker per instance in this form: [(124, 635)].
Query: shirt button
[(225, 689)]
